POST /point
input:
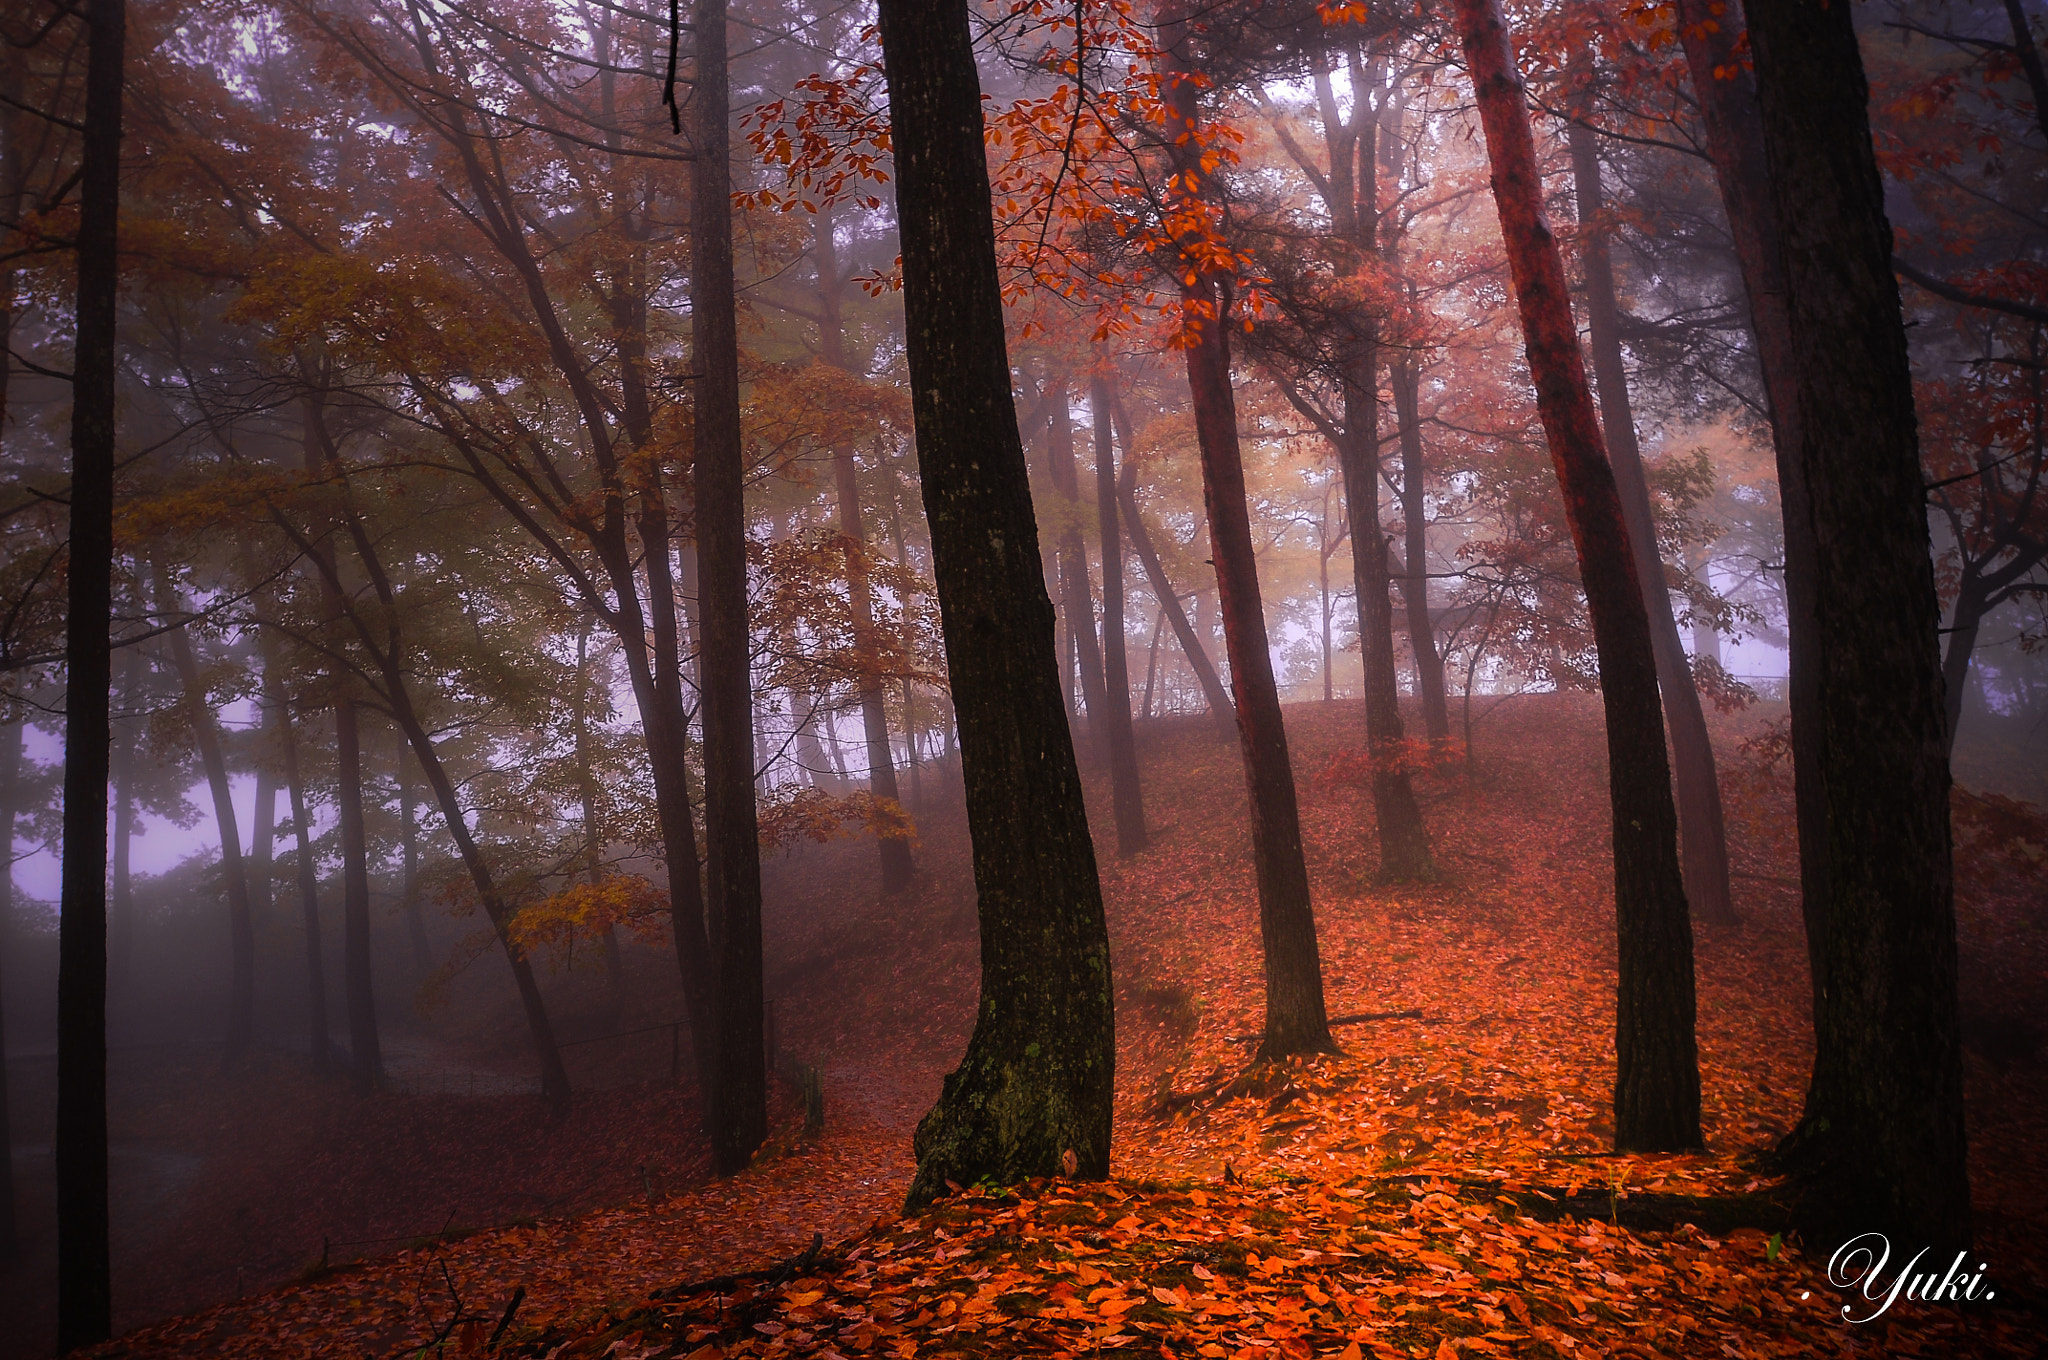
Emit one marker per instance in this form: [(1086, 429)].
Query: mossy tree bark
[(1032, 1096)]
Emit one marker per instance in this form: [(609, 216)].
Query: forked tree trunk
[(1429, 663), (898, 867), (1296, 1020), (739, 1087), (84, 1288), (1657, 1084), (234, 878), (1127, 795), (1034, 1093), (1881, 1147), (1702, 832)]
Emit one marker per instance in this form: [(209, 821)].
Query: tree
[(1127, 794), (1657, 1084), (84, 1285), (1702, 834), (738, 1088), (1296, 1021), (1881, 1145), (1033, 1094)]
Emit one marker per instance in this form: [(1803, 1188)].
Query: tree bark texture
[(1033, 1094), (1881, 1146), (199, 717), (1718, 65), (1296, 1020), (1429, 662), (739, 1088), (1702, 831), (1657, 1089), (84, 1288), (1126, 791), (898, 867)]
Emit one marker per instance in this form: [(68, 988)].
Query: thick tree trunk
[(1657, 1085), (1404, 841), (234, 878), (739, 1088), (1882, 1146), (1033, 1094), (366, 1053), (1429, 663), (307, 873), (1702, 833), (898, 866), (1296, 1020), (1719, 66), (1127, 794), (84, 1289)]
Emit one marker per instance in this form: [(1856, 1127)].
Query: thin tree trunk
[(1034, 1093), (1127, 794), (1429, 663), (1077, 598), (1152, 660), (307, 872), (1221, 709), (1881, 1145), (409, 866), (1702, 833), (366, 1066), (1656, 1090), (898, 866), (234, 879), (84, 1288), (739, 1090), (1296, 1019), (586, 798)]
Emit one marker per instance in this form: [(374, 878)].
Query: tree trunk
[(1429, 663), (84, 1289), (1965, 619), (1657, 1087), (234, 879), (1127, 794), (1719, 67), (898, 866), (586, 799), (1702, 833), (1077, 598), (409, 867), (1404, 841), (1034, 1092), (1296, 1020), (366, 1065), (307, 872), (1220, 707), (1882, 1145), (739, 1090)]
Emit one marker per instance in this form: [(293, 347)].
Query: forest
[(970, 678)]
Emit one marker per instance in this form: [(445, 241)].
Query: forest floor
[(1442, 1187)]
